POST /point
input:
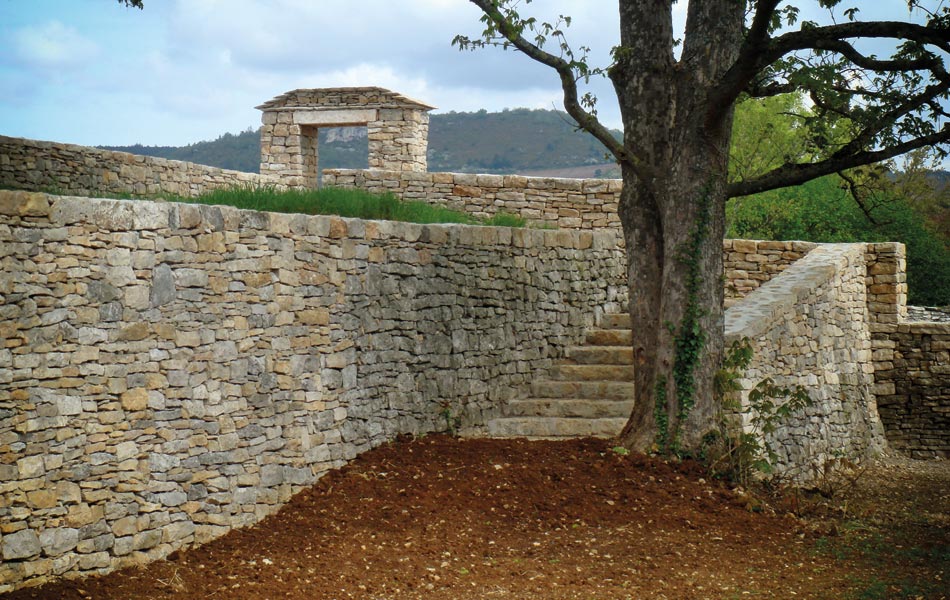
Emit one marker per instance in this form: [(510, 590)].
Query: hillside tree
[(677, 99)]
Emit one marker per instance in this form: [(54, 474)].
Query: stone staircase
[(590, 393)]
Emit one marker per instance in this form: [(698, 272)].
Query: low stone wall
[(809, 326), (170, 371), (750, 263), (565, 203), (913, 387), (69, 169), (931, 314), (911, 360)]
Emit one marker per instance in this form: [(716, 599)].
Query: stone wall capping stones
[(784, 293)]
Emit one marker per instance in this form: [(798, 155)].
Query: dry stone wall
[(565, 203), (70, 169), (913, 387), (935, 314), (809, 326), (589, 204), (750, 263), (170, 371), (911, 360)]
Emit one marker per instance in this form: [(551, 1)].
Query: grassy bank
[(346, 203), (340, 202)]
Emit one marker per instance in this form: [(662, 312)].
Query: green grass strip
[(352, 203), (341, 202)]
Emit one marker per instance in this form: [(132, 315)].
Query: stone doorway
[(397, 130)]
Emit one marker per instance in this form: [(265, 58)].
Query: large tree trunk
[(674, 256), (673, 223)]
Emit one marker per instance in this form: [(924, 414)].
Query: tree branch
[(757, 90), (805, 39), (585, 119), (858, 196), (746, 66), (797, 173), (757, 52), (885, 121), (848, 51)]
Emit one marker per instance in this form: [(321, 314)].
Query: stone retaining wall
[(70, 169), (170, 371), (809, 326), (913, 398)]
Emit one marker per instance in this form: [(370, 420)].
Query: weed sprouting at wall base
[(739, 452)]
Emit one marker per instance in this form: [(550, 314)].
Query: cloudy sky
[(97, 73)]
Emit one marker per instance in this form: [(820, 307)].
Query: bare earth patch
[(438, 517)]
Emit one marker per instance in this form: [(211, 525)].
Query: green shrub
[(821, 211)]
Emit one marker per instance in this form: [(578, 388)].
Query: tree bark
[(674, 225)]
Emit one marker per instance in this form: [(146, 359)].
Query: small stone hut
[(397, 128)]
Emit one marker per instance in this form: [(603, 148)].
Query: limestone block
[(135, 399), (24, 204), (340, 117), (31, 466), (178, 531), (20, 545), (59, 540), (132, 333)]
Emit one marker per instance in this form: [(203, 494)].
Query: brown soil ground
[(438, 517)]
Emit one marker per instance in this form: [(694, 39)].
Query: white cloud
[(53, 46), (185, 70)]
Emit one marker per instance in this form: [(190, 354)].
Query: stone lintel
[(336, 118)]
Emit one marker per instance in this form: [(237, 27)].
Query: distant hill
[(241, 152), (512, 141), (939, 179)]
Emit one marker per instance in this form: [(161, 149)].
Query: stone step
[(555, 427), (600, 355), (615, 321), (584, 408), (610, 337), (603, 390), (593, 373)]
